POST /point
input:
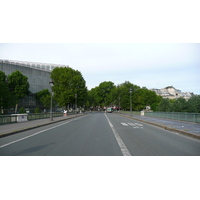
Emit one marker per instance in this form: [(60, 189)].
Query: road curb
[(37, 126), (165, 127)]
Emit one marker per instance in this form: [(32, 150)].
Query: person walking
[(65, 113)]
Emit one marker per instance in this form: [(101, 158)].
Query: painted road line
[(124, 124), (124, 150), (131, 124), (138, 124), (39, 132), (134, 125)]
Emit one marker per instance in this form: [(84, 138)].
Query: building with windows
[(172, 93), (38, 76)]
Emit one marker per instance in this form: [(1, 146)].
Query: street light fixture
[(51, 83), (130, 101), (76, 104), (119, 104)]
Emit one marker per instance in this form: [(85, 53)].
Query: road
[(99, 134)]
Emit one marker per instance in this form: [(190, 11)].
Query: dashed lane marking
[(124, 150)]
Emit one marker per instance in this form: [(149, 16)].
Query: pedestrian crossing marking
[(124, 124), (134, 125)]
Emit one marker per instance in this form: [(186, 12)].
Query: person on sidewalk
[(65, 113)]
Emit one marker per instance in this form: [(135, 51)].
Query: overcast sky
[(153, 65), (149, 43)]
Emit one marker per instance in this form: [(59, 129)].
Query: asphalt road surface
[(99, 134)]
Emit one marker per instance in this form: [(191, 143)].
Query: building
[(38, 76), (172, 93)]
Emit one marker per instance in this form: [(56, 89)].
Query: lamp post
[(51, 83), (130, 101), (76, 104), (119, 104)]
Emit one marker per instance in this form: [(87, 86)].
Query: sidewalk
[(186, 128), (12, 128)]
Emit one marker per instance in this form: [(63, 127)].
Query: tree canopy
[(44, 97), (68, 83), (6, 99), (107, 94), (18, 86)]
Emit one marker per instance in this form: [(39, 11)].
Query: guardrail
[(188, 117), (43, 116), (6, 119), (133, 112)]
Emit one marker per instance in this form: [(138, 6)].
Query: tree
[(147, 98), (123, 91), (91, 98), (18, 85), (22, 110), (37, 110), (103, 93), (44, 97), (179, 105), (5, 97), (194, 104), (165, 105), (68, 83)]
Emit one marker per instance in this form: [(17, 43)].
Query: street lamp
[(76, 104), (130, 101), (51, 83), (119, 104)]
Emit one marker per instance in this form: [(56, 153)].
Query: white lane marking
[(121, 144), (124, 124), (134, 125), (38, 133), (131, 124), (138, 124)]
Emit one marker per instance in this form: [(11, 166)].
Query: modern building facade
[(38, 76), (172, 93)]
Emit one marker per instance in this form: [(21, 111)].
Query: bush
[(37, 110), (22, 110)]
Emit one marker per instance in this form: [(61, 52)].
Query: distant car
[(109, 110)]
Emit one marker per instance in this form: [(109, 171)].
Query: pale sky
[(153, 65), (149, 43)]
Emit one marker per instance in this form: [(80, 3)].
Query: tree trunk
[(16, 106)]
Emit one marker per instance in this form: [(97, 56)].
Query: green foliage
[(37, 110), (180, 105), (165, 105), (91, 98), (194, 104), (103, 93), (107, 94), (6, 99), (18, 85), (67, 83), (125, 95), (44, 96), (22, 110)]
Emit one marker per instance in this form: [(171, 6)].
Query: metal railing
[(43, 116), (7, 119), (133, 112), (188, 117)]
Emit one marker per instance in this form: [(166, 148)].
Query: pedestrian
[(65, 113)]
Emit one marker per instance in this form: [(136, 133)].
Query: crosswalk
[(134, 125)]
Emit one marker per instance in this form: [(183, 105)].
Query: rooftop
[(37, 65)]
